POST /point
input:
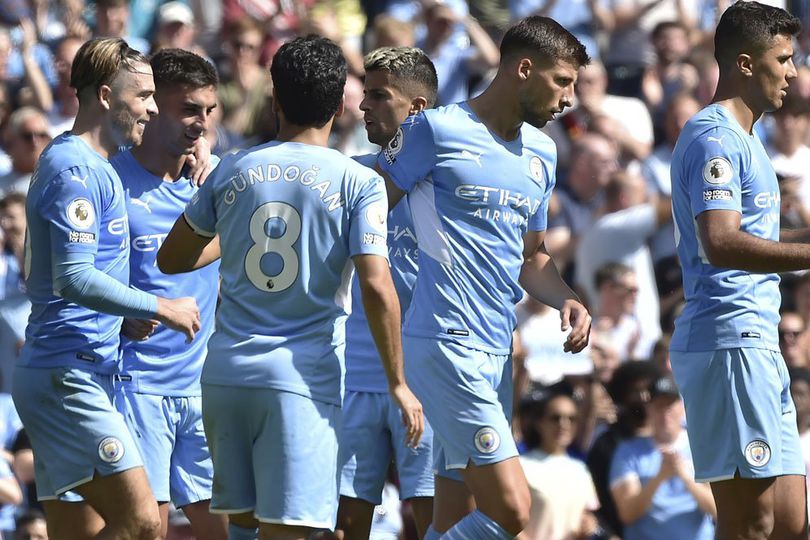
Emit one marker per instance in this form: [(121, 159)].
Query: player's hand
[(412, 416), (199, 162), (138, 329), (574, 317), (181, 314)]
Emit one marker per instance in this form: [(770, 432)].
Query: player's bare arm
[(382, 309), (540, 278), (184, 250), (391, 189), (727, 246)]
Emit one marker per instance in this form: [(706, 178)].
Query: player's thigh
[(71, 520), (191, 472), (422, 508), (204, 524), (751, 432), (365, 446), (453, 501), (790, 507), (123, 498), (75, 431), (295, 456), (414, 465), (466, 395), (149, 418), (745, 507), (354, 518), (232, 417)]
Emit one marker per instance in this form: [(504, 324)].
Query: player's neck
[(152, 156), (501, 115), (315, 136), (88, 127), (739, 107)]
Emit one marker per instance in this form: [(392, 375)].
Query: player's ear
[(744, 64), (524, 68), (104, 96), (341, 107), (418, 104)]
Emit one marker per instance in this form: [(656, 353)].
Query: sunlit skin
[(132, 105), (546, 92), (384, 106), (184, 118), (772, 72)]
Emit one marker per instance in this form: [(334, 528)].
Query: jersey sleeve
[(72, 205), (201, 211), (714, 168), (539, 220), (411, 154), (368, 222)]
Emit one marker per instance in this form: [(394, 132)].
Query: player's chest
[(761, 198)]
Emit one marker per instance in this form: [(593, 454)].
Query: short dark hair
[(611, 272), (15, 197), (749, 27), (544, 38), (177, 67), (411, 68), (29, 517), (666, 25), (628, 374), (799, 374), (309, 74)]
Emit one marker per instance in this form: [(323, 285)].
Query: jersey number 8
[(282, 246)]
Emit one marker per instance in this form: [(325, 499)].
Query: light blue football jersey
[(716, 165), (364, 369), (473, 197), (75, 204), (164, 364), (289, 216)]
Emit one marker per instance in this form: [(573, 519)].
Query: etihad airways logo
[(497, 196)]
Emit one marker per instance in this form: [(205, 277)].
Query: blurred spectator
[(790, 154), (456, 62), (175, 28), (660, 354), (10, 426), (629, 51), (708, 75), (542, 341), (671, 74), (793, 340), (342, 21), (208, 17), (12, 224), (563, 494), (615, 319), (623, 120), (221, 139), (14, 305), (25, 137), (31, 526), (655, 170), (801, 297), (66, 104), (5, 111), (112, 20), (583, 18), (651, 477), (389, 31), (244, 84), (629, 389), (628, 222), (800, 393), (29, 69), (579, 197), (24, 468)]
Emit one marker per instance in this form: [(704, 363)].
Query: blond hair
[(98, 62)]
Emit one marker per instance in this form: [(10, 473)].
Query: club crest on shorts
[(757, 453), (110, 450), (487, 440)]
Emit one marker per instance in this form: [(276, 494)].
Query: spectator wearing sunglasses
[(25, 137)]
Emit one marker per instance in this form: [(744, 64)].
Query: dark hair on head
[(413, 72), (749, 27), (177, 67), (15, 197), (30, 516), (543, 38), (611, 272), (309, 74), (99, 61), (799, 374), (793, 105), (628, 374), (666, 25)]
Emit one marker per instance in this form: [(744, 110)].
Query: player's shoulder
[(536, 140), (67, 161), (712, 129), (366, 160)]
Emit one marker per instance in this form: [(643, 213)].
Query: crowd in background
[(593, 427)]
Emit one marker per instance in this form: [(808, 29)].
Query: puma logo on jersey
[(466, 154), (715, 139), (143, 203), (82, 181)]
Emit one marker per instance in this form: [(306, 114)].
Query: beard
[(528, 115), (124, 125)]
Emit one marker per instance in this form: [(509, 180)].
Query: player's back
[(716, 165), (74, 204), (284, 213)]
